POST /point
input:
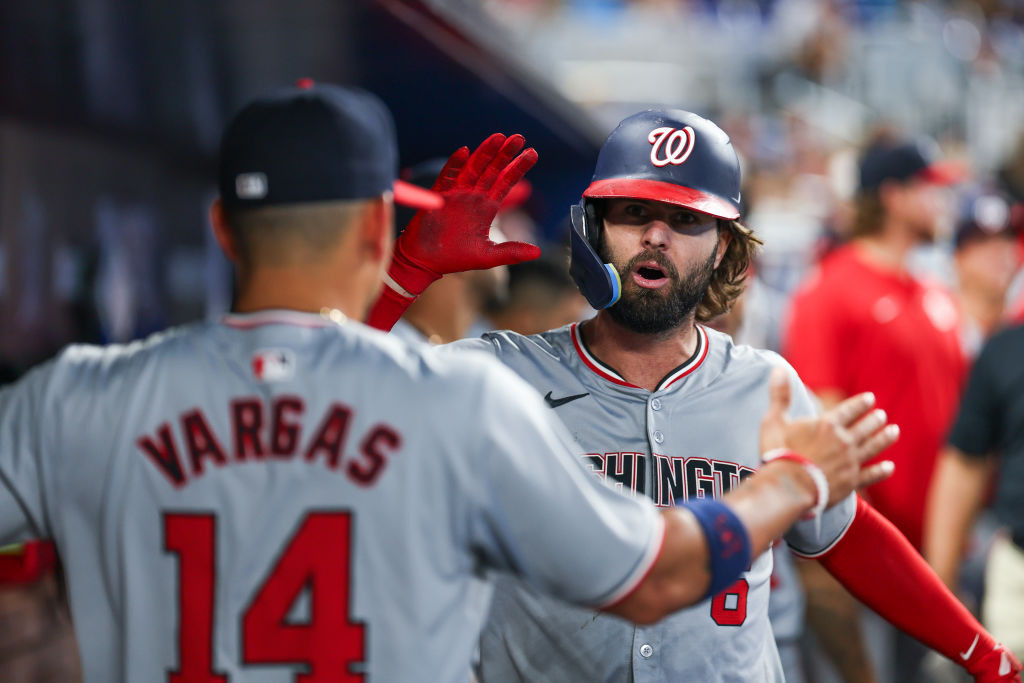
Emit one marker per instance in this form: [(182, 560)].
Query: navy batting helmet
[(667, 155)]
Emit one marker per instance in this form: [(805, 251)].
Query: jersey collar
[(608, 373), (328, 317)]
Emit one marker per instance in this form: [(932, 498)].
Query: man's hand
[(839, 442), (455, 238)]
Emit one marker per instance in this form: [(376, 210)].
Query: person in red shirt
[(862, 322)]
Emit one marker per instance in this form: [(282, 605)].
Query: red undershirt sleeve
[(877, 564)]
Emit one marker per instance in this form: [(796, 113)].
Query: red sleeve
[(814, 342), (880, 568)]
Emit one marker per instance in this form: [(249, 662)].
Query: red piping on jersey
[(642, 576), (831, 546), (670, 379), (585, 356), (702, 339), (246, 321)]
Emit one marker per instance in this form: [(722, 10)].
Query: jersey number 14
[(317, 556)]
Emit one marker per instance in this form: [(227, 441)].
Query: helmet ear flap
[(593, 212), (598, 281)]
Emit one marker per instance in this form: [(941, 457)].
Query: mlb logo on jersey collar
[(273, 365)]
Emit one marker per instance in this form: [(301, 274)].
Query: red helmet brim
[(658, 191)]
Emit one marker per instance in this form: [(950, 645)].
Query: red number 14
[(317, 557)]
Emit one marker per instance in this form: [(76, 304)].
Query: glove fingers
[(479, 160), (448, 175), (509, 253), (508, 150), (512, 174)]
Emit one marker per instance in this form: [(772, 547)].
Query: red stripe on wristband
[(820, 481)]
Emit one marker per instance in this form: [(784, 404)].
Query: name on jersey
[(274, 431), (676, 479)]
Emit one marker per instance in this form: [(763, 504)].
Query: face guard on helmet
[(669, 156)]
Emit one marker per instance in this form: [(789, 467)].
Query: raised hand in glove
[(455, 238)]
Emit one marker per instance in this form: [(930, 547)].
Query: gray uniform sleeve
[(541, 515), (26, 436), (470, 344), (807, 538)]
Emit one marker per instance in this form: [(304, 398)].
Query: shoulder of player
[(504, 343), (91, 369), (742, 356), (424, 364), (83, 359)]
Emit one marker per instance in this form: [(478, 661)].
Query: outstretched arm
[(878, 565), (707, 544), (455, 237), (956, 495)]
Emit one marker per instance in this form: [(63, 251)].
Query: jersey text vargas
[(275, 432)]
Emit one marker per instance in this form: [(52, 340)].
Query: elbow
[(642, 615), (654, 600)]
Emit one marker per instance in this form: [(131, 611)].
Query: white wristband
[(389, 282), (817, 476)]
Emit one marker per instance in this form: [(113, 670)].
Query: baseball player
[(660, 406), (285, 494)]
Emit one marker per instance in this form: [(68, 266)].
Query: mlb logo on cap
[(273, 365), (251, 185)]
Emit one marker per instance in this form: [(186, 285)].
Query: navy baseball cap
[(903, 161), (986, 215), (313, 143)]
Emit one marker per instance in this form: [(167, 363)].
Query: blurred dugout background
[(110, 113)]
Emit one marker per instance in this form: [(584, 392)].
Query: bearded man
[(664, 407)]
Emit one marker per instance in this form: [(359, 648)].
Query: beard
[(652, 311)]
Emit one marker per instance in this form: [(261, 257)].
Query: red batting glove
[(455, 237), (994, 665)]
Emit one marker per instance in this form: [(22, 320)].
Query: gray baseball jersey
[(276, 497), (695, 436)]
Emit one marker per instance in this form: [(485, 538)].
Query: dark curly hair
[(728, 280)]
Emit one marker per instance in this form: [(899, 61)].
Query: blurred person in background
[(987, 258), (988, 433), (862, 322), (961, 529), (1010, 177), (541, 297)]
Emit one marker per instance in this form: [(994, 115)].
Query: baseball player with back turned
[(661, 406), (287, 495)]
